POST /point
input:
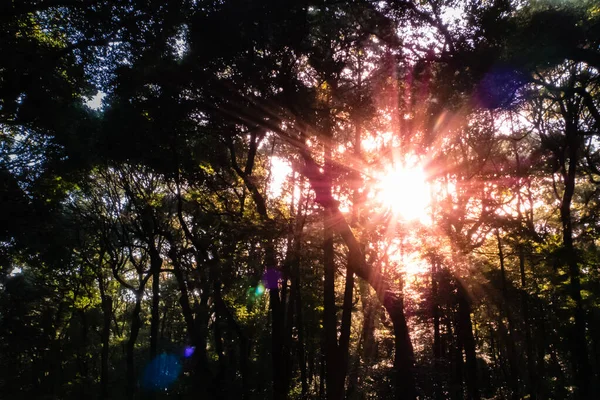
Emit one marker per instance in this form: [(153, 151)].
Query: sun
[(403, 189)]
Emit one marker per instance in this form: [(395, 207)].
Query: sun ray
[(403, 189)]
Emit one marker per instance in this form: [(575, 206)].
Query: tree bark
[(105, 338), (370, 308), (277, 342), (510, 340), (155, 265), (329, 313), (465, 330), (344, 342), (301, 346), (82, 356), (456, 357), (184, 299), (136, 324), (437, 345), (244, 342), (296, 293), (404, 355), (578, 338), (533, 378)]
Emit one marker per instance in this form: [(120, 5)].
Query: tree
[(227, 224)]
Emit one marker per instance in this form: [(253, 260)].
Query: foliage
[(216, 228)]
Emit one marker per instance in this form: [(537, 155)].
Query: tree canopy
[(300, 200)]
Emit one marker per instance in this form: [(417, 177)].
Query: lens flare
[(189, 351), (404, 190), (260, 289), (161, 373), (271, 278)]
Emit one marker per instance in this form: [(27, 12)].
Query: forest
[(299, 199)]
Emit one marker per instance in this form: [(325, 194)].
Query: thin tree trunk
[(288, 335), (322, 373), (197, 325), (184, 299), (329, 312), (136, 324), (105, 338), (578, 338), (468, 341), (155, 264), (244, 345), (332, 375), (510, 342), (594, 322), (437, 345), (344, 342), (533, 378), (493, 349), (296, 296), (218, 338), (203, 374), (300, 327), (301, 348), (456, 357), (218, 380), (277, 341), (541, 341), (82, 356), (369, 349), (336, 354)]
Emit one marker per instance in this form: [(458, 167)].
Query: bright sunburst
[(403, 190)]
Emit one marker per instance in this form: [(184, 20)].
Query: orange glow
[(403, 190)]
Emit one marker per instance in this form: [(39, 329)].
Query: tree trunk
[(294, 314), (277, 331), (337, 391), (404, 356), (184, 299), (456, 357), (329, 312), (155, 264), (492, 340), (279, 364), (244, 345), (322, 373), (594, 322), (136, 324), (202, 370), (370, 308), (465, 331), (329, 309), (578, 337), (196, 326), (437, 345), (82, 356), (300, 327), (336, 354), (510, 340), (533, 378), (105, 339)]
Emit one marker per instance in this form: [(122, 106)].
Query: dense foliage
[(221, 199)]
